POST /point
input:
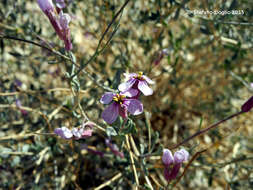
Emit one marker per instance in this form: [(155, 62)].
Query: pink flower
[(120, 105), (63, 132), (76, 133), (65, 35), (114, 148), (177, 160), (137, 81), (60, 21), (167, 157)]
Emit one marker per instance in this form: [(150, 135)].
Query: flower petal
[(174, 171), (130, 93), (181, 156), (144, 88), (148, 80), (64, 20), (111, 113), (134, 106), (123, 87), (63, 132), (60, 4), (167, 173), (130, 75), (167, 157), (87, 133), (123, 111), (76, 132), (45, 5), (107, 98)]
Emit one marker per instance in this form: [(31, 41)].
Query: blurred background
[(202, 66)]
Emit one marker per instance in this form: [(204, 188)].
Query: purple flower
[(137, 81), (63, 132), (120, 105), (114, 148), (167, 158), (48, 8), (76, 133), (60, 21), (46, 5), (65, 34), (60, 4)]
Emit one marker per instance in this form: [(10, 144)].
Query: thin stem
[(206, 129), (58, 54), (188, 165), (241, 80), (227, 22), (132, 162), (109, 181), (97, 51), (36, 44)]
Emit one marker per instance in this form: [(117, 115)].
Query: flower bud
[(247, 106)]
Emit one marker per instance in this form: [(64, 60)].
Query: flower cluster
[(127, 100), (59, 20), (76, 133), (175, 161)]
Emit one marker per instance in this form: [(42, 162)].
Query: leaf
[(129, 127), (110, 131)]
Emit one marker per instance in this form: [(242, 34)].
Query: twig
[(97, 51), (148, 182), (241, 80), (21, 136), (188, 165), (109, 181), (27, 109), (136, 151), (149, 130), (220, 21), (132, 162), (42, 154), (221, 165), (206, 129), (56, 53), (39, 91), (156, 181), (36, 44), (226, 22), (50, 116), (18, 153), (97, 83)]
